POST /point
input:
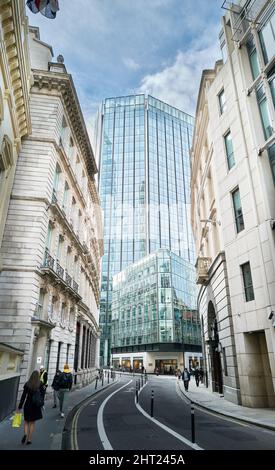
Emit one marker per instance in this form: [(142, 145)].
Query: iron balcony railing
[(75, 286), (68, 279), (54, 265), (48, 260), (59, 270)]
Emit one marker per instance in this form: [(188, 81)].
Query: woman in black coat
[(32, 394)]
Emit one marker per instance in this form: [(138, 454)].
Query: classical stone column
[(87, 348), (80, 344), (84, 343)]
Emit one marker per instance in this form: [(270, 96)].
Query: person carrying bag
[(32, 400)]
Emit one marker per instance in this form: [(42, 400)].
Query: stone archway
[(214, 349)]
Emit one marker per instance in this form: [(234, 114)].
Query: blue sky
[(117, 47)]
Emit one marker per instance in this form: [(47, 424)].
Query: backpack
[(65, 380), (37, 399)]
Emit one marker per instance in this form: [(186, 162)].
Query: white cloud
[(178, 84), (131, 63)]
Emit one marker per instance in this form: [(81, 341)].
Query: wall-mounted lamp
[(211, 221), (271, 315)]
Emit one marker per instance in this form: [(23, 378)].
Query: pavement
[(205, 398), (48, 431)]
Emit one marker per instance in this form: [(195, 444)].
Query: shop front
[(125, 363), (137, 363), (166, 366)]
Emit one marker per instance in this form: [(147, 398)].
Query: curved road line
[(169, 430), (74, 442), (100, 426), (216, 414)]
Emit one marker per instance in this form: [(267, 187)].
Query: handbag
[(17, 420), (37, 399)]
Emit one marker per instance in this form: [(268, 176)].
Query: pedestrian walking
[(32, 400), (197, 376), (44, 379), (186, 379), (201, 374), (55, 387), (65, 385)]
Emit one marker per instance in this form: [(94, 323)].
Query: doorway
[(260, 391), (215, 350)]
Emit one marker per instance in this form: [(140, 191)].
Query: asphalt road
[(112, 421)]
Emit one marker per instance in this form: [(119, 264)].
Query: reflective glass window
[(263, 107), (229, 150), (238, 210), (247, 282), (267, 38)]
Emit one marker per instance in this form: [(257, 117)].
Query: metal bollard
[(145, 378), (142, 380), (137, 391), (108, 377), (138, 384), (96, 380), (152, 403), (193, 422), (102, 379)]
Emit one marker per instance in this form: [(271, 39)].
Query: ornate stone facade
[(15, 76), (52, 245)]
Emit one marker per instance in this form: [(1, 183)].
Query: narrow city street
[(112, 420)]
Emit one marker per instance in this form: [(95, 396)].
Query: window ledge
[(267, 144)]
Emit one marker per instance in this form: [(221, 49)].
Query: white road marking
[(169, 430), (100, 426)]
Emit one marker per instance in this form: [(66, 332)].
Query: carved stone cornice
[(84, 309), (12, 16), (62, 84)]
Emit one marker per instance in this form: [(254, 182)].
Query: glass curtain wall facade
[(144, 185), (154, 305)]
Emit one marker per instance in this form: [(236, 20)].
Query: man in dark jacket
[(186, 379), (65, 384), (197, 376), (55, 387)]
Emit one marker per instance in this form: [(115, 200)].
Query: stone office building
[(52, 244), (233, 206), (15, 124)]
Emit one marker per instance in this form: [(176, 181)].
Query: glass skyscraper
[(144, 185)]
